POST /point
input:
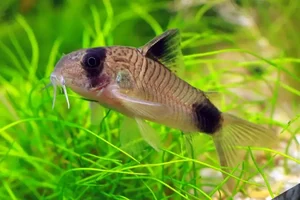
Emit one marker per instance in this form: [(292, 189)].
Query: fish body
[(154, 92), (127, 74), (140, 83)]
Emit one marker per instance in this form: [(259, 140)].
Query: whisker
[(65, 92), (53, 82), (66, 95), (59, 81), (46, 86), (54, 95)]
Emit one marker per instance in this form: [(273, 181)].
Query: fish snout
[(57, 79)]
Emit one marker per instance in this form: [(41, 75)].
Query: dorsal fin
[(165, 48)]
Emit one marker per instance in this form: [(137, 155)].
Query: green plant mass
[(244, 54)]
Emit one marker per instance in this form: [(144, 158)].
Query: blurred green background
[(248, 51)]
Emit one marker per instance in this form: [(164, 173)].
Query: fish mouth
[(99, 89), (58, 80)]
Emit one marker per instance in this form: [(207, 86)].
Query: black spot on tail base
[(208, 117)]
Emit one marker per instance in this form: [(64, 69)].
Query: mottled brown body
[(187, 108), (190, 110)]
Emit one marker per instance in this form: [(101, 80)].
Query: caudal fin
[(234, 133)]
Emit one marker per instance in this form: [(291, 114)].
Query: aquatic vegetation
[(248, 56)]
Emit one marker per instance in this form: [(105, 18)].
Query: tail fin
[(238, 132)]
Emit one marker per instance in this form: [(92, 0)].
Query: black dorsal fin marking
[(165, 48)]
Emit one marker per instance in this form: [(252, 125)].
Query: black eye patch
[(93, 60)]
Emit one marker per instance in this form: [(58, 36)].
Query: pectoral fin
[(97, 113), (136, 103)]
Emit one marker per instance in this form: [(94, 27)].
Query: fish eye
[(91, 61)]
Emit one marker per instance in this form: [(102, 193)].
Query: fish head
[(94, 73), (84, 71)]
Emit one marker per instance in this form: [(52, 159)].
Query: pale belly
[(181, 121)]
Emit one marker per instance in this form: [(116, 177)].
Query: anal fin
[(130, 137), (149, 134)]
